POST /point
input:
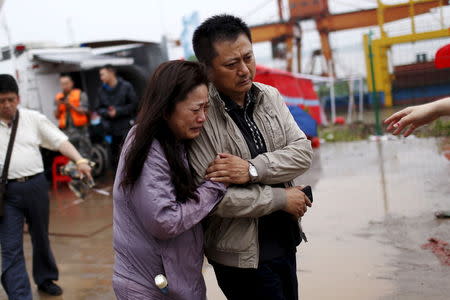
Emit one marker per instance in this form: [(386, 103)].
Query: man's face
[(106, 75), (66, 84), (8, 105), (233, 69)]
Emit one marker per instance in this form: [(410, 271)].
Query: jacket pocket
[(232, 235)]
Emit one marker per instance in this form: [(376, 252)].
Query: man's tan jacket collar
[(215, 95)]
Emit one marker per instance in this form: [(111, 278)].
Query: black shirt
[(278, 232)]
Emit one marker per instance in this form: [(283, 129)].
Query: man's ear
[(208, 68), (209, 73)]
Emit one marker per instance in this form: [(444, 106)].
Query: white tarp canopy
[(83, 59)]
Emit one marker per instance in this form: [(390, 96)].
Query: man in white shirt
[(27, 193)]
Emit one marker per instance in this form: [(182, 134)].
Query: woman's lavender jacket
[(154, 234)]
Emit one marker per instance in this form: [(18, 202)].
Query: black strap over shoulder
[(10, 147), (4, 177)]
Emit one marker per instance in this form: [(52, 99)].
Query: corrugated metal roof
[(83, 59)]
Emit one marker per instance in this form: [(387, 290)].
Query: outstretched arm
[(412, 117), (67, 149)]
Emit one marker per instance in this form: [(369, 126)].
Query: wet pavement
[(373, 210), (81, 239), (374, 205)]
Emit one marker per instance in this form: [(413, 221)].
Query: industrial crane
[(289, 31)]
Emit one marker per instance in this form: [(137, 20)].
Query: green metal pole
[(374, 92)]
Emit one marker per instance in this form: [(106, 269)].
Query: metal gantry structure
[(288, 30), (379, 78)]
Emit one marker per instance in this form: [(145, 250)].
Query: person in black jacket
[(116, 104)]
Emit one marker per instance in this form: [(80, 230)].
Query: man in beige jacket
[(252, 235)]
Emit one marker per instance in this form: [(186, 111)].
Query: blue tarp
[(306, 123)]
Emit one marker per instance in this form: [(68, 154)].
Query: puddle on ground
[(357, 187)]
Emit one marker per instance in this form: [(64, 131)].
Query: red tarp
[(295, 90)]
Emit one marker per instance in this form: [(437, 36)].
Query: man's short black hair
[(66, 75), (8, 84), (217, 28), (110, 68)]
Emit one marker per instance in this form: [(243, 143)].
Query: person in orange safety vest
[(72, 114)]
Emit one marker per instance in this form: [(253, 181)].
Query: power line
[(257, 8)]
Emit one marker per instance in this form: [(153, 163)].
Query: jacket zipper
[(234, 137)]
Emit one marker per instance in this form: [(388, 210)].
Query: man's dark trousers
[(26, 201), (275, 279)]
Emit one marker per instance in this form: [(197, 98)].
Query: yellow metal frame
[(380, 47)]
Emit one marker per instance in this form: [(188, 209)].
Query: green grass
[(439, 127), (346, 133), (360, 131)]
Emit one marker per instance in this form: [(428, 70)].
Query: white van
[(37, 68)]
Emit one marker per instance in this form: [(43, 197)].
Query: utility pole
[(280, 10), (4, 24), (374, 89)]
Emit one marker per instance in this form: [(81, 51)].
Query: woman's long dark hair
[(170, 83)]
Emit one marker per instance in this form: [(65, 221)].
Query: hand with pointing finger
[(409, 119)]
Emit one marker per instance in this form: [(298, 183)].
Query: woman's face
[(189, 115)]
